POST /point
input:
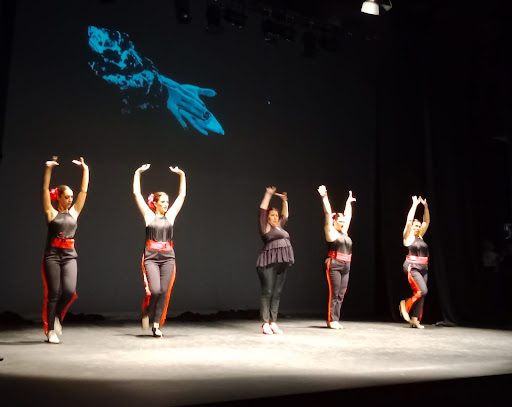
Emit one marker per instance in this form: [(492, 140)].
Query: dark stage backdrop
[(414, 102), (288, 121)]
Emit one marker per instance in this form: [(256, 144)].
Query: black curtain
[(7, 14), (443, 94)]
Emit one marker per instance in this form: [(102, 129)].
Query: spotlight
[(182, 8), (372, 6)]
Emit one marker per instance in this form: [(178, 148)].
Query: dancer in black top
[(339, 255), (274, 259), (416, 263), (59, 268), (158, 261)]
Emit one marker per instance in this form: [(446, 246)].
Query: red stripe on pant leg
[(145, 303), (328, 267), (63, 313), (416, 292), (45, 302), (169, 289)]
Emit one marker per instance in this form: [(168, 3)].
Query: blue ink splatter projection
[(115, 59)]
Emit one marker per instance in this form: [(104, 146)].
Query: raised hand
[(415, 200), (423, 200), (143, 168), (53, 162), (177, 170), (322, 190), (80, 163), (350, 197), (283, 196), (271, 190)]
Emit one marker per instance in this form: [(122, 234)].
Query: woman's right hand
[(145, 167), (53, 162), (283, 196), (271, 190), (322, 190), (415, 200)]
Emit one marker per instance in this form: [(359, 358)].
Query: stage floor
[(118, 364)]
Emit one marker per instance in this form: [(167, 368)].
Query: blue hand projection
[(115, 59)]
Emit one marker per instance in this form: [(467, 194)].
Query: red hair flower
[(151, 201), (54, 192)]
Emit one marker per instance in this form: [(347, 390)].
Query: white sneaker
[(52, 337), (157, 333), (57, 327), (334, 325), (266, 329), (275, 328)]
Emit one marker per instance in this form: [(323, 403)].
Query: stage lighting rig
[(372, 6)]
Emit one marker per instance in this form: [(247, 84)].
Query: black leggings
[(60, 274), (272, 280), (160, 277), (337, 272), (417, 278)]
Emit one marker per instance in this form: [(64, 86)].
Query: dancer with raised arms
[(339, 255), (158, 260), (59, 265)]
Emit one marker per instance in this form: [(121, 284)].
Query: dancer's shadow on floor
[(323, 327), (23, 343), (149, 336)]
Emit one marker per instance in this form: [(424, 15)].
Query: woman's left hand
[(177, 170), (322, 190), (80, 163), (350, 197)]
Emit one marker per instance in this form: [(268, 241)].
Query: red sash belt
[(160, 246), (63, 243), (340, 256), (417, 259)]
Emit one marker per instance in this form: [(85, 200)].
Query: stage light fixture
[(372, 6), (386, 5)]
